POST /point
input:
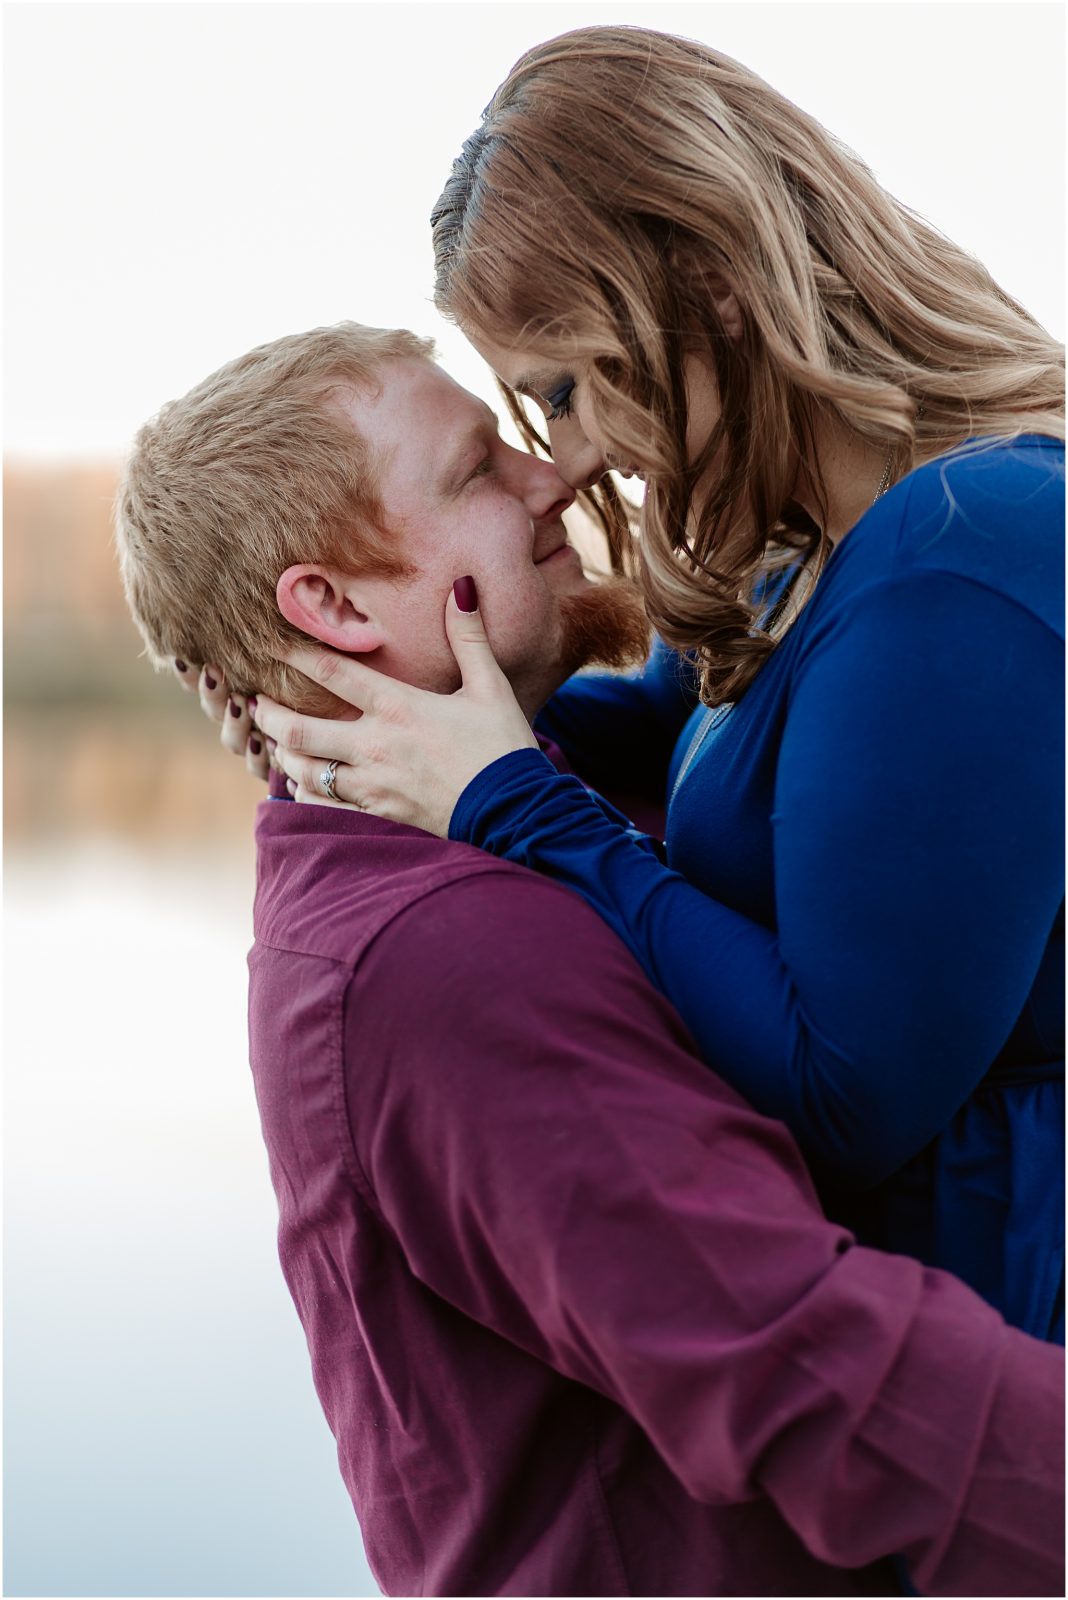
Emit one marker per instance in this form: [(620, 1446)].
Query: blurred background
[(184, 182)]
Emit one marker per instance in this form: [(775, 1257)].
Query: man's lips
[(558, 549)]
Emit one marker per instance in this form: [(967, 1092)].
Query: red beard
[(605, 627)]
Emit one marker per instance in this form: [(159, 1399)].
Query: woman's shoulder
[(987, 483), (990, 513)]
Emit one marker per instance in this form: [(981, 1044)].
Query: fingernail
[(235, 709), (180, 665), (272, 745), (466, 595), (209, 681), (252, 706), (291, 785), (255, 746)]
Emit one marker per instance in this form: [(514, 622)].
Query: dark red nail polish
[(235, 709), (252, 706), (209, 682), (255, 746), (466, 594), (180, 665)]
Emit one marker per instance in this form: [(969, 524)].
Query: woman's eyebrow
[(534, 384)]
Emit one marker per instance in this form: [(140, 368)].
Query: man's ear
[(325, 603)]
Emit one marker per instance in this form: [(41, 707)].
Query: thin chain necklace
[(884, 481)]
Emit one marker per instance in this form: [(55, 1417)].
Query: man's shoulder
[(329, 883), (507, 968)]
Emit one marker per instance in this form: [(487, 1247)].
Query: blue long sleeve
[(877, 832)]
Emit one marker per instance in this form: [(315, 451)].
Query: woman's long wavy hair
[(621, 182)]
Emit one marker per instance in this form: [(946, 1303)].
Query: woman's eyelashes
[(559, 401)]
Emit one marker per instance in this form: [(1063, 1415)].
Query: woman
[(852, 534)]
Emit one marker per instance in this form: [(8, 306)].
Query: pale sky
[(186, 181)]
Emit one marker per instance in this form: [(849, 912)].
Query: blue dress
[(858, 911)]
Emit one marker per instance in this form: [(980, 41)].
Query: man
[(574, 1316)]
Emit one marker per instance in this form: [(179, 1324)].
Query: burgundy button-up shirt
[(575, 1318)]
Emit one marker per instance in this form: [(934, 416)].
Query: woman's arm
[(918, 859)]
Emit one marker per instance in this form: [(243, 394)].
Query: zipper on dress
[(713, 718)]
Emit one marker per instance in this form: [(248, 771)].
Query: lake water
[(162, 1436)]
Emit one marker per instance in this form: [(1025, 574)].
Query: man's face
[(458, 500)]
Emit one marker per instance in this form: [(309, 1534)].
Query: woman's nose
[(578, 462)]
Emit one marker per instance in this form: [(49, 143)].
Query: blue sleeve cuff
[(521, 765)]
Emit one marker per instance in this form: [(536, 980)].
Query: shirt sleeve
[(557, 1164), (618, 731), (918, 864)]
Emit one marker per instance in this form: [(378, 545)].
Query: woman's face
[(581, 451)]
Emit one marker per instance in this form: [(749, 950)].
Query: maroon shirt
[(575, 1318)]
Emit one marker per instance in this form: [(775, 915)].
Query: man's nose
[(546, 494)]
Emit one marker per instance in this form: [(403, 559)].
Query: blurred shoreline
[(96, 743)]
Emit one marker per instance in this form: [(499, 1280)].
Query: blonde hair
[(621, 182), (253, 471)]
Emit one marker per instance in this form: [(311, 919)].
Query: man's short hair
[(254, 471)]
